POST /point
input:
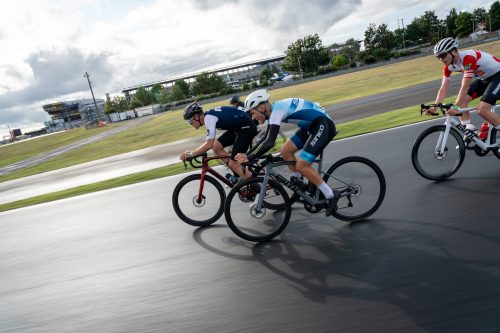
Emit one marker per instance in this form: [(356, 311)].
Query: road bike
[(198, 199), (359, 181), (439, 151)]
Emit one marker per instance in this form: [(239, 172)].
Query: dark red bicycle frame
[(206, 168)]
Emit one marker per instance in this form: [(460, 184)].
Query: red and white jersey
[(474, 63)]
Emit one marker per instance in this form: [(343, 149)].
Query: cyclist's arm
[(268, 143), (443, 90), (209, 144), (461, 98), (259, 142)]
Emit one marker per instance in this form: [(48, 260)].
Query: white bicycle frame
[(449, 121)]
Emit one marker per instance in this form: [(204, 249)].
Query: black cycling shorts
[(240, 138), (315, 139), (488, 88)]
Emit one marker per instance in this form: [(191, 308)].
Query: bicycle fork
[(257, 209)]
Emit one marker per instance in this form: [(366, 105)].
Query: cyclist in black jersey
[(240, 130)]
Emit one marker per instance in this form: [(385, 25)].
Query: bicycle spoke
[(361, 184), (198, 210), (253, 222), (428, 159)]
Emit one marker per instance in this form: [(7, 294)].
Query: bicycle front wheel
[(199, 210), (250, 222), (426, 154), (495, 138), (361, 184)]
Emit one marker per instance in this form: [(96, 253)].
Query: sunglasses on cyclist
[(190, 121), (442, 56)]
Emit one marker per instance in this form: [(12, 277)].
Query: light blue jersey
[(296, 111)]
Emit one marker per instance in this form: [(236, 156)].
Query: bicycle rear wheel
[(255, 225), (194, 210), (429, 162), (363, 183)]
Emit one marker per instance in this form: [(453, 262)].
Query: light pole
[(473, 26), (403, 27), (95, 104), (300, 68)]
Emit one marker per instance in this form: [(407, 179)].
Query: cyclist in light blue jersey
[(316, 130)]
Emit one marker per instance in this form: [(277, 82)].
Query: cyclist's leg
[(322, 132), (476, 89), (225, 140), (490, 97), (295, 143), (242, 143)]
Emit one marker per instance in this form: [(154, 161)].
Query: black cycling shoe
[(331, 204)]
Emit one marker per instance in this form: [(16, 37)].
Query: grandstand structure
[(73, 113), (233, 76)]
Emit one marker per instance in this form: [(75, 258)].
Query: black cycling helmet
[(191, 110), (234, 99)]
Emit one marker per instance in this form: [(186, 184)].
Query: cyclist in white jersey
[(316, 130), (481, 77)]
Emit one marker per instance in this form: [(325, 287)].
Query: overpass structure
[(232, 75)]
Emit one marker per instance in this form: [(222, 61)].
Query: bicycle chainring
[(479, 151)]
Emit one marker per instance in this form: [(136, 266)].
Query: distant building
[(234, 76), (74, 113)]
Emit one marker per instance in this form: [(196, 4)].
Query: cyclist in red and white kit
[(481, 77)]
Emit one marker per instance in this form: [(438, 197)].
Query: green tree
[(143, 96), (207, 83), (464, 24), (108, 107), (306, 54), (381, 54), (377, 37), (494, 15), (165, 96), (450, 20), (350, 48), (479, 15), (370, 36), (413, 34), (120, 103), (156, 92), (265, 74), (339, 61), (181, 90)]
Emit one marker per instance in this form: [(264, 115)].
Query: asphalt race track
[(121, 261)]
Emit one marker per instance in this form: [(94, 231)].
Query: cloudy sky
[(47, 45)]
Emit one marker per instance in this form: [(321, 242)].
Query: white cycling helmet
[(445, 45), (255, 98)]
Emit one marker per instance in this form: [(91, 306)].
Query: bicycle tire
[(424, 159), (256, 228), (493, 140), (367, 182), (196, 217)]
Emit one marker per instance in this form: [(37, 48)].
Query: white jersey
[(474, 63)]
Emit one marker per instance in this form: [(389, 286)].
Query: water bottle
[(483, 132)]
